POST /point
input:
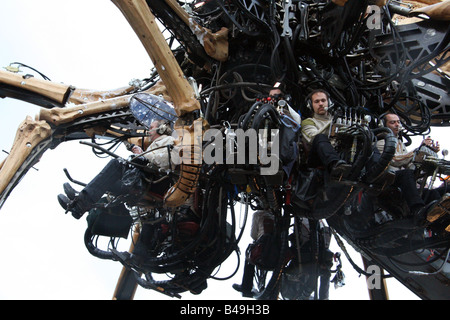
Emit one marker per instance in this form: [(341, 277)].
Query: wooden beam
[(144, 25), (126, 284)]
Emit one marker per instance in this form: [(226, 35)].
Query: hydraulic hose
[(385, 158), (248, 115), (362, 158), (208, 225), (193, 282), (101, 254), (260, 114)]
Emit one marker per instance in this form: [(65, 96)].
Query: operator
[(263, 220), (402, 158), (403, 167), (110, 178), (278, 93), (315, 134)]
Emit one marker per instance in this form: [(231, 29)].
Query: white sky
[(90, 45)]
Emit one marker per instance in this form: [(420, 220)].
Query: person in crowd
[(262, 224)]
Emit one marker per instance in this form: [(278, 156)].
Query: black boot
[(76, 206), (245, 293), (70, 192), (246, 288)]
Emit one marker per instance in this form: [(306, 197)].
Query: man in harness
[(315, 135), (403, 167), (110, 178)]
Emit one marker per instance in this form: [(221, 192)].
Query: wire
[(420, 273), (437, 257), (26, 66), (101, 154), (347, 255)]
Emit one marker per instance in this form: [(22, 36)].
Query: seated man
[(403, 167), (109, 179), (289, 130), (277, 93), (315, 134)]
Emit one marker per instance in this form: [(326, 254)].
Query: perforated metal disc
[(147, 108)]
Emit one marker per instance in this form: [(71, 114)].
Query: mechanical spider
[(248, 30)]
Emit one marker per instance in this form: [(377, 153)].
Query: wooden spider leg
[(143, 23), (56, 93), (32, 132), (29, 135), (58, 116)]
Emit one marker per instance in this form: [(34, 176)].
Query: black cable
[(235, 22), (419, 264), (421, 272), (26, 66)]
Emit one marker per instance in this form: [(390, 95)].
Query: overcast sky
[(87, 44)]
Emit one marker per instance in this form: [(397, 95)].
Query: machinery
[(215, 64)]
